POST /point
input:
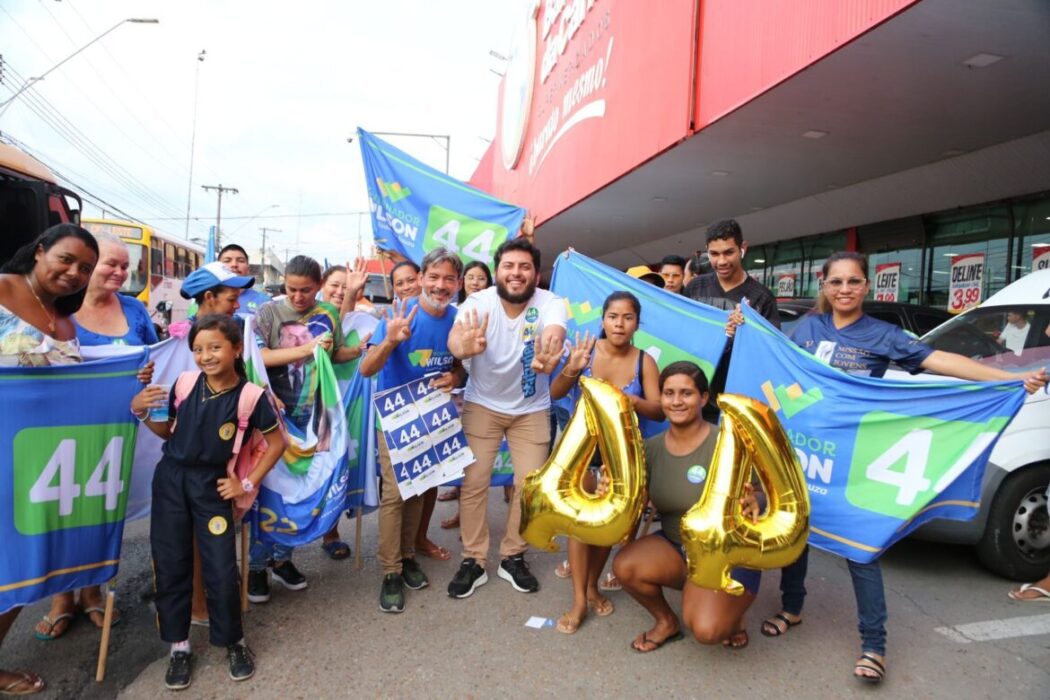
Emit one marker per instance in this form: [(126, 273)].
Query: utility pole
[(193, 140), (264, 229), (218, 214)]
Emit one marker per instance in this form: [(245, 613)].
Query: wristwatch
[(247, 485)]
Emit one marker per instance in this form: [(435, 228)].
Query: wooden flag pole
[(244, 566), (358, 516), (107, 625)]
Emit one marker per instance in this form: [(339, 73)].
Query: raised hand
[(528, 228), (579, 354), (398, 324), (474, 330), (356, 276), (546, 354)]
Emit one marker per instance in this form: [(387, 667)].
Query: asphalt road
[(331, 640)]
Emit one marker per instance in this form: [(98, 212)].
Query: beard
[(434, 303), (504, 293)]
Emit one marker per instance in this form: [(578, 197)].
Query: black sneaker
[(468, 578), (392, 594), (289, 576), (241, 665), (178, 675), (413, 575), (259, 586), (515, 570)]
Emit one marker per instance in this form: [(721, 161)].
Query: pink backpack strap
[(250, 395), (184, 385)]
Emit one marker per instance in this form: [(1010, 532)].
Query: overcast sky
[(280, 91)]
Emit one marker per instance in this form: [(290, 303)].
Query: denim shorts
[(748, 578)]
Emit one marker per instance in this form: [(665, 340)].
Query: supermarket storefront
[(915, 131)]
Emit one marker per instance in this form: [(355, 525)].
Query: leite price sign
[(786, 286), (967, 282), (887, 281), (1040, 257)]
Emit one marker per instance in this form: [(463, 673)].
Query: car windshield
[(1010, 337)]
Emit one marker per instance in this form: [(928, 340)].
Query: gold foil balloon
[(553, 501), (715, 533)]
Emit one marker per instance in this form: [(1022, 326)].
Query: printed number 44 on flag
[(925, 455)]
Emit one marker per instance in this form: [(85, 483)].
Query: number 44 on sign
[(76, 480)]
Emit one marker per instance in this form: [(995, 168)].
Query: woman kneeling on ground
[(678, 461)]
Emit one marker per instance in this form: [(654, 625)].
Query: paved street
[(331, 640)]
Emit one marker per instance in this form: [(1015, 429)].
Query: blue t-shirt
[(865, 347), (250, 301), (140, 327), (425, 352)]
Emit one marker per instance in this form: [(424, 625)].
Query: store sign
[(966, 282), (589, 94), (1040, 257), (786, 286), (887, 281)]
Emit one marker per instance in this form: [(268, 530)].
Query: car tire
[(1016, 540)]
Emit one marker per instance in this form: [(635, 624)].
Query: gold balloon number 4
[(715, 534), (553, 500)]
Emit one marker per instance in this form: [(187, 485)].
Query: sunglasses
[(836, 283)]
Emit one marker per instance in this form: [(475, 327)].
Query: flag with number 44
[(67, 442), (880, 456)]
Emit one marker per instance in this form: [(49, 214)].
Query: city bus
[(31, 200), (159, 263)]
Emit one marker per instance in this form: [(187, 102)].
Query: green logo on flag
[(469, 238), (790, 399), (902, 461), (392, 191), (71, 476)]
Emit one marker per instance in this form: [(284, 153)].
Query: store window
[(817, 250), (1032, 246), (983, 231), (894, 248), (757, 260), (785, 272)]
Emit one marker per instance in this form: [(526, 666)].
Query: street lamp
[(434, 137), (32, 81), (193, 137)]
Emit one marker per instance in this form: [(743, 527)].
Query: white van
[(1011, 330)]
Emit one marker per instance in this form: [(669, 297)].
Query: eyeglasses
[(836, 283)]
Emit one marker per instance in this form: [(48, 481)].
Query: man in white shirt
[(513, 335)]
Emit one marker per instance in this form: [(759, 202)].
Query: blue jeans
[(867, 588), (260, 552)]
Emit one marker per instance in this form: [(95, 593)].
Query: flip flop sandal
[(563, 570), (30, 684), (117, 617), (568, 625), (609, 582), (1043, 597), (450, 523), (656, 644), (770, 628), (602, 608), (50, 635), (868, 662), (737, 640), (435, 552), (336, 549), (450, 495)]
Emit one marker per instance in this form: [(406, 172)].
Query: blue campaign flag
[(673, 327), (880, 456), (67, 443), (211, 255), (416, 208)]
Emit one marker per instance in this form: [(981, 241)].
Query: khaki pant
[(398, 519), (529, 439)]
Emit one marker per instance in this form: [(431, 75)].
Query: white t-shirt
[(501, 378), (1013, 337)]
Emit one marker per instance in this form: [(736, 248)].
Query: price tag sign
[(967, 282), (887, 281), (425, 437), (786, 286), (1040, 257)]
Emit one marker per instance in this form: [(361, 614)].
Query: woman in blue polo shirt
[(842, 335), (107, 317)]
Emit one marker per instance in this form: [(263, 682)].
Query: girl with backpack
[(199, 481)]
